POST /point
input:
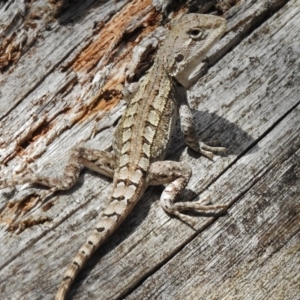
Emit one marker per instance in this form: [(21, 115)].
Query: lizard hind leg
[(100, 161), (177, 175)]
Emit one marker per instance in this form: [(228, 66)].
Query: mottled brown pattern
[(142, 138)]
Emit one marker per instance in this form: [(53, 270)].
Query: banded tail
[(125, 195)]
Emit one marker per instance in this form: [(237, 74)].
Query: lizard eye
[(197, 33)]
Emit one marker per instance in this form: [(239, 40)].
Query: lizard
[(142, 137)]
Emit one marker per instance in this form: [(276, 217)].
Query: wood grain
[(248, 100)]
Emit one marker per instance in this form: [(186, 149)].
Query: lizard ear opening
[(179, 58)]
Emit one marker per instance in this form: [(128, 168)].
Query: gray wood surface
[(52, 68)]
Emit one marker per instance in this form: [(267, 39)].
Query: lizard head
[(187, 44)]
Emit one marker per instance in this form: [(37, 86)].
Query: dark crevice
[(39, 82), (257, 21), (142, 279)]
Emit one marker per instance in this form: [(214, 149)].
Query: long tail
[(123, 199)]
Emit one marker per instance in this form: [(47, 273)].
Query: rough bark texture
[(61, 81)]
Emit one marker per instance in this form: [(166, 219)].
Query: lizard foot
[(209, 151)]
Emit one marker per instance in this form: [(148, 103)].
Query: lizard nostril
[(179, 58)]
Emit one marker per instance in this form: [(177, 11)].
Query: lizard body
[(143, 135)]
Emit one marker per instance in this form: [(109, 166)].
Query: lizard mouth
[(196, 73)]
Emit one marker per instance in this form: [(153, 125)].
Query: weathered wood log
[(61, 81)]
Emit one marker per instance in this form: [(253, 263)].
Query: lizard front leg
[(177, 175), (188, 128), (100, 161)]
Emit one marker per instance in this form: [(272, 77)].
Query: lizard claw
[(208, 151)]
